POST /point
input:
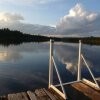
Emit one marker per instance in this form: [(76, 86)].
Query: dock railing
[(53, 65)]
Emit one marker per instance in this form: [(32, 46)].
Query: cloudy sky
[(64, 17)]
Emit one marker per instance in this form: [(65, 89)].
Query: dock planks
[(87, 91), (38, 94), (75, 91), (18, 96)]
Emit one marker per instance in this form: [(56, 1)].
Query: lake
[(25, 67)]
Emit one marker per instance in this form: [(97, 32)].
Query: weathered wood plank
[(74, 94), (12, 97), (31, 95), (18, 96), (41, 95), (52, 97), (88, 91), (40, 92), (57, 92), (77, 91)]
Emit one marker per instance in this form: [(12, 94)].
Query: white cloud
[(10, 17), (15, 21), (79, 21)]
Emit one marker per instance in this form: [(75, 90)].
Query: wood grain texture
[(88, 91), (31, 95), (18, 96)]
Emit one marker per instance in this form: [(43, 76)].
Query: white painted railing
[(62, 87), (52, 64), (79, 63), (97, 85), (81, 57)]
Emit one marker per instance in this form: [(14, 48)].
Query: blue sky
[(47, 13), (44, 12)]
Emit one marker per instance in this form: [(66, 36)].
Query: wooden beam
[(91, 84), (58, 92), (52, 97)]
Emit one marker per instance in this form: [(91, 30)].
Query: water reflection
[(25, 66), (3, 55), (9, 56), (16, 52), (21, 67), (68, 55)]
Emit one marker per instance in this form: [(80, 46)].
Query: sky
[(64, 17)]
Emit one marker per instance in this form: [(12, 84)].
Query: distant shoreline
[(8, 37)]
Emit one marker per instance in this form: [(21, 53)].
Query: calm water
[(25, 66)]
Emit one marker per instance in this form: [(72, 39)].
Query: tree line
[(16, 37), (8, 37)]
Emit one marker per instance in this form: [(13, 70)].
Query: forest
[(16, 37), (8, 37)]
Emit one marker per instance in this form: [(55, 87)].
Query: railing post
[(51, 64), (79, 63)]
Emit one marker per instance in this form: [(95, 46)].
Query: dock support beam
[(51, 64), (79, 63)]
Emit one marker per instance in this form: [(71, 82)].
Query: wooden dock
[(38, 94), (75, 91), (82, 91)]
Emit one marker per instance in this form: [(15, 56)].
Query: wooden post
[(51, 64), (79, 63)]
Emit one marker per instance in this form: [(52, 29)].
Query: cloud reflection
[(3, 55), (9, 56), (68, 55), (70, 66), (21, 63), (16, 53)]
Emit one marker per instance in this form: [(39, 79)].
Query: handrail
[(79, 62), (53, 65), (57, 85)]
